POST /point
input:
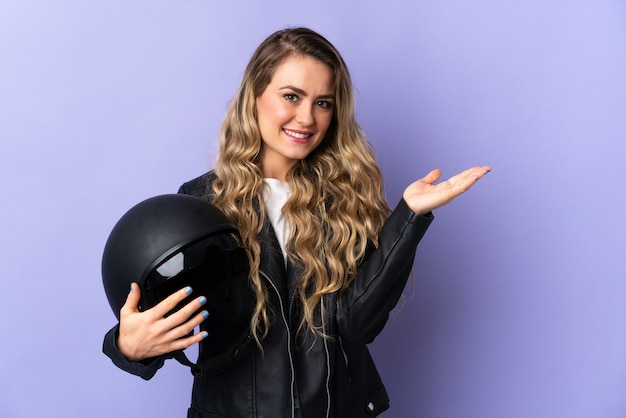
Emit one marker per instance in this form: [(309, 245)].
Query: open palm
[(423, 195)]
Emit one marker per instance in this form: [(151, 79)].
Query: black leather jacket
[(333, 377)]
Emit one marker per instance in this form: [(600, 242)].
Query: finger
[(184, 313), (170, 302), (132, 301), (471, 174), (463, 181), (183, 343), (432, 177), (187, 328), (478, 172)]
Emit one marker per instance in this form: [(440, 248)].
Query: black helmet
[(172, 241)]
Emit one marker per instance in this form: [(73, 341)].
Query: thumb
[(132, 300), (433, 176)]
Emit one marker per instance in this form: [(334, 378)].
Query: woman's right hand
[(150, 333)]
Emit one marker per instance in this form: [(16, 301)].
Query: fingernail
[(204, 335), (188, 290), (202, 300), (131, 287), (205, 314)]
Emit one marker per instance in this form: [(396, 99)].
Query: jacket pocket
[(372, 404)]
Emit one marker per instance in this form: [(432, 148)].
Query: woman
[(328, 259)]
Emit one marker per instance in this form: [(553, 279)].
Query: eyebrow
[(303, 93)]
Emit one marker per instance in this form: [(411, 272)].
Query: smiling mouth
[(297, 135)]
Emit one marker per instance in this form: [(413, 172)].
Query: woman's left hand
[(424, 195)]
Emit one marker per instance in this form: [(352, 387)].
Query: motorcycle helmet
[(172, 241)]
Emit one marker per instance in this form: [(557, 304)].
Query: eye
[(325, 104), (290, 97)]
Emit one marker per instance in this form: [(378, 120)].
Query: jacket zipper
[(322, 313), (345, 359), (282, 312)]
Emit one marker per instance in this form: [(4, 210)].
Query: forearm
[(365, 305)]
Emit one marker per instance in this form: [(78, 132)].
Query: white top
[(275, 194)]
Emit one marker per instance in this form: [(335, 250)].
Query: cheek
[(324, 121), (270, 111)]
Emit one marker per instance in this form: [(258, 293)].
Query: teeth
[(296, 134)]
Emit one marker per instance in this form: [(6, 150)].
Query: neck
[(275, 169)]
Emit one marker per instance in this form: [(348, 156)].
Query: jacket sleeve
[(144, 369), (363, 308)]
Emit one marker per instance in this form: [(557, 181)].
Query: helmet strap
[(216, 364)]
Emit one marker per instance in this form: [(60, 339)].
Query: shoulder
[(200, 186)]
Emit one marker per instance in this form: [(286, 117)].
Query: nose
[(304, 115)]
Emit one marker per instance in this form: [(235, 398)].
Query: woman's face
[(294, 113)]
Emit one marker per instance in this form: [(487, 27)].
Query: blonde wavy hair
[(336, 206)]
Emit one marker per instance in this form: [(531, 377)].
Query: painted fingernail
[(205, 314), (188, 290), (202, 300), (204, 335)]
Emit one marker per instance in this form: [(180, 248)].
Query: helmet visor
[(209, 266)]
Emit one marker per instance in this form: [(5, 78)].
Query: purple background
[(518, 304)]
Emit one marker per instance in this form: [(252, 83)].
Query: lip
[(298, 136)]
